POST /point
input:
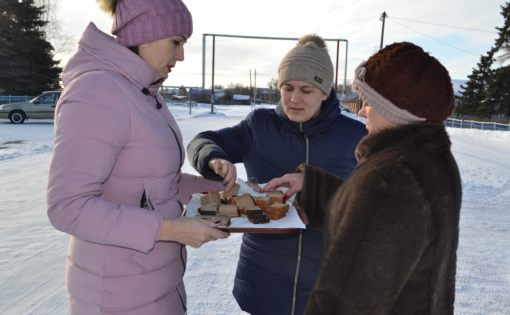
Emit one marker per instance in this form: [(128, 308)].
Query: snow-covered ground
[(32, 253)]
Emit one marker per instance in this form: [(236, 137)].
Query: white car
[(41, 107)]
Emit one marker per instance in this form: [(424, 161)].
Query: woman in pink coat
[(115, 183)]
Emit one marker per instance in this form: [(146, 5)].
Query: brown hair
[(108, 6)]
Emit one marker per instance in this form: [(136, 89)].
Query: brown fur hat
[(412, 80)]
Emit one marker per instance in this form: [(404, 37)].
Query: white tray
[(292, 222)]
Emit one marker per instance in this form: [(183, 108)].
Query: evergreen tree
[(505, 56), (478, 96), (503, 40), (474, 90), (498, 93), (26, 58)]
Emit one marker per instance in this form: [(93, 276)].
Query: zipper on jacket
[(183, 248), (307, 144), (300, 239), (146, 92), (296, 275), (182, 302), (158, 106), (146, 203), (178, 144)]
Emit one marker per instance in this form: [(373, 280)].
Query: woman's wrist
[(165, 232)]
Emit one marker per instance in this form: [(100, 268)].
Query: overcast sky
[(456, 32)]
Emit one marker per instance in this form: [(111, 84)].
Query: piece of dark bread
[(208, 209), (258, 219), (251, 210), (222, 221)]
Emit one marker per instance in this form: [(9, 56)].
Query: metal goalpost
[(205, 35)]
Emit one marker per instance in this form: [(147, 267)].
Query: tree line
[(28, 66)]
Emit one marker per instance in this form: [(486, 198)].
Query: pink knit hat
[(143, 21)]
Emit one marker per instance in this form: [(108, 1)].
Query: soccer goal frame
[(204, 40)]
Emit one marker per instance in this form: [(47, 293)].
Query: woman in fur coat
[(391, 229)]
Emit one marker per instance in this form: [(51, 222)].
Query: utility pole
[(383, 19), (255, 89), (251, 103), (212, 83)]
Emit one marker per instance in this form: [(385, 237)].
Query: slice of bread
[(228, 210), (212, 198), (231, 192), (277, 210), (243, 201), (262, 201), (276, 196)]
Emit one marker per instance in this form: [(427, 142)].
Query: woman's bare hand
[(225, 169), (293, 181), (190, 231)]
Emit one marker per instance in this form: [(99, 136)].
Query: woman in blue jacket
[(276, 272)]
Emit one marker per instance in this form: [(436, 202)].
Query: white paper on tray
[(291, 220)]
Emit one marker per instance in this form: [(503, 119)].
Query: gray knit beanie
[(309, 61)]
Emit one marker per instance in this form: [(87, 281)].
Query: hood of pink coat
[(99, 51)]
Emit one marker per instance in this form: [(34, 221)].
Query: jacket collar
[(99, 51), (424, 137)]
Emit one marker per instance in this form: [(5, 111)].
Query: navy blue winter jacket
[(276, 272)]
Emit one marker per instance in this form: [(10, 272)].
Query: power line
[(437, 40), (445, 25), (354, 20)]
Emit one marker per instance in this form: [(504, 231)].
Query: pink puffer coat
[(114, 149)]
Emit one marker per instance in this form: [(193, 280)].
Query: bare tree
[(273, 84), (61, 42)]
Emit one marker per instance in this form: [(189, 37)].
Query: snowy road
[(32, 253), (483, 268)]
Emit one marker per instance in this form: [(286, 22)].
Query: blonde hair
[(108, 6), (314, 38)]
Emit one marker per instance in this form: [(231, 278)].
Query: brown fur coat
[(391, 229)]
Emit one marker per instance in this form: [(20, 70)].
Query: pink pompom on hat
[(143, 21)]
